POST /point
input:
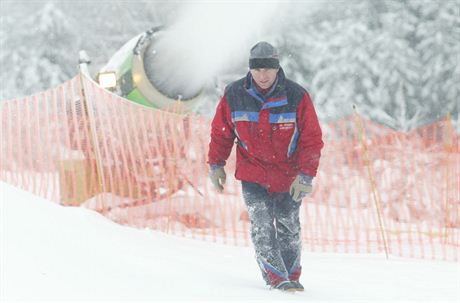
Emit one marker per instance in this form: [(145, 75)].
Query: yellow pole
[(448, 142), (91, 120), (375, 193)]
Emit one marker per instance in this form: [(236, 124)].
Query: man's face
[(264, 77)]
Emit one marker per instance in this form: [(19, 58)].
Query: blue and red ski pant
[(275, 232)]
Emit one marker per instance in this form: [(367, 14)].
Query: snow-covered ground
[(51, 253)]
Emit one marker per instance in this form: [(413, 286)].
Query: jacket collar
[(277, 91), (279, 85)]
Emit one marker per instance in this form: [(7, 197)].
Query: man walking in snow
[(279, 144)]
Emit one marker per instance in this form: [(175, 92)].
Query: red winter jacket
[(278, 136)]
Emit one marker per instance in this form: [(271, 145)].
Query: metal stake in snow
[(375, 193)]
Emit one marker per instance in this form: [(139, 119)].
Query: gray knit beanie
[(263, 55)]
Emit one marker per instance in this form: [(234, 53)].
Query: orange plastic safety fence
[(377, 189)]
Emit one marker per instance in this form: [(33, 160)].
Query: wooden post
[(448, 143), (375, 193), (87, 102)]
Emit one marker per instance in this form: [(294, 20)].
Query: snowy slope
[(51, 253)]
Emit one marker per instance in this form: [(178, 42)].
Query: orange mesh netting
[(377, 189)]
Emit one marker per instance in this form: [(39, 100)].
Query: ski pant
[(275, 232)]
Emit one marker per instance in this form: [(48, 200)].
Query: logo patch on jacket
[(286, 126)]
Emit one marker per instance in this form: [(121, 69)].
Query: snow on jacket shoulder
[(278, 136)]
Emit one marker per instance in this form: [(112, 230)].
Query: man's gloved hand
[(217, 176), (300, 187)]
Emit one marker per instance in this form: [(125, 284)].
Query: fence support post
[(375, 193), (448, 144), (88, 106)]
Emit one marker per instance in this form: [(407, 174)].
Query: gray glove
[(300, 187), (217, 176)]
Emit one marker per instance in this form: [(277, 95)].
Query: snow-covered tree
[(438, 47), (397, 60), (43, 54)]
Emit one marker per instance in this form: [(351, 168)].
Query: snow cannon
[(137, 72)]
